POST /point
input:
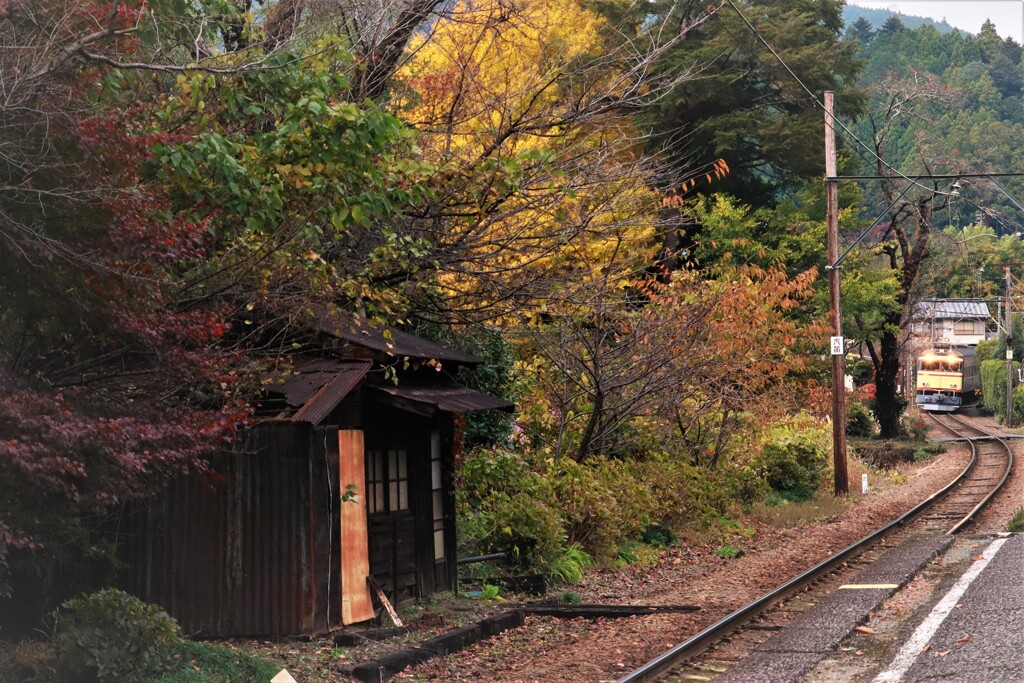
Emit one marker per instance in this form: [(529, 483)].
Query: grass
[(205, 663), (787, 514), (928, 451), (569, 598), (728, 552), (637, 552), (1016, 523), (570, 566), (191, 663)]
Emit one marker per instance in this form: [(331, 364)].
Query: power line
[(1008, 195), (866, 230), (835, 121), (946, 176), (914, 180)]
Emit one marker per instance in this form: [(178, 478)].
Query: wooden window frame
[(387, 480)]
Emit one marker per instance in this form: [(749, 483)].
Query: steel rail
[(701, 641), (956, 528)]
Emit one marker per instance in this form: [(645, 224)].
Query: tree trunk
[(888, 403), (587, 439)]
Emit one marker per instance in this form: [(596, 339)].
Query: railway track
[(993, 461), (947, 511)]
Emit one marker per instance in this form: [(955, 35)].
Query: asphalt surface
[(982, 638), (812, 636), (970, 629)]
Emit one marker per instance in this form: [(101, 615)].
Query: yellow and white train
[(947, 379)]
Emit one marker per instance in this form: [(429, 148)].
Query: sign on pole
[(837, 346)]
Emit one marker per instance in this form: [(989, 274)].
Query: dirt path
[(576, 650)]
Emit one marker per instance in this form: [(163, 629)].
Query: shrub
[(993, 388), (914, 426), (111, 635), (859, 421), (607, 503), (986, 349), (505, 506), (793, 462), (635, 552), (603, 503), (1018, 404), (658, 536), (928, 451)]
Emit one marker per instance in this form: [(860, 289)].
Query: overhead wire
[(835, 119), (1008, 195), (866, 230), (913, 180)]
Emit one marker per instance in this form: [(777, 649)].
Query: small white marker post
[(283, 677), (864, 484)]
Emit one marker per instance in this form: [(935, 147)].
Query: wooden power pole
[(838, 345)]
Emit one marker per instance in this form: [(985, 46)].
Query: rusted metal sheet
[(318, 387), (356, 605), (241, 550), (449, 398), (320, 405)]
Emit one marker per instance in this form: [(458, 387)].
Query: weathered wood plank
[(356, 604)]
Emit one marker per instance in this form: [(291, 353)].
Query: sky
[(1007, 15)]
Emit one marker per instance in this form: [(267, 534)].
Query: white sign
[(837, 346), (1009, 353), (864, 484)]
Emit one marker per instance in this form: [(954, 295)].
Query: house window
[(967, 327), (387, 480), (437, 494)]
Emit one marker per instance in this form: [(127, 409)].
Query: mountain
[(877, 17)]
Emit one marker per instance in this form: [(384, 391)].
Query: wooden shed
[(347, 474)]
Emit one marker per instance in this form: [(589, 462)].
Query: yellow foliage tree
[(542, 174)]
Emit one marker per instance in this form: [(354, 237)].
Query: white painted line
[(906, 657)]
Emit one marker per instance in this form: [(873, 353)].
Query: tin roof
[(956, 309), (450, 398), (386, 340), (319, 386)]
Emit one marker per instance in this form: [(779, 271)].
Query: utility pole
[(842, 482), (1008, 321)]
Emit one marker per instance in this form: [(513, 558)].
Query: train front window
[(940, 365)]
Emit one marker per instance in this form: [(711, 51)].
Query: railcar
[(947, 379)]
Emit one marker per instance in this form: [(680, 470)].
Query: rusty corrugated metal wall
[(251, 547)]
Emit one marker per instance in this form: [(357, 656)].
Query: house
[(347, 474), (951, 323)]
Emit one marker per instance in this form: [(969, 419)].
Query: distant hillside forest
[(966, 92), (877, 17)]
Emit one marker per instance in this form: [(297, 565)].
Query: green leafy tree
[(861, 31), (303, 205), (745, 107)]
